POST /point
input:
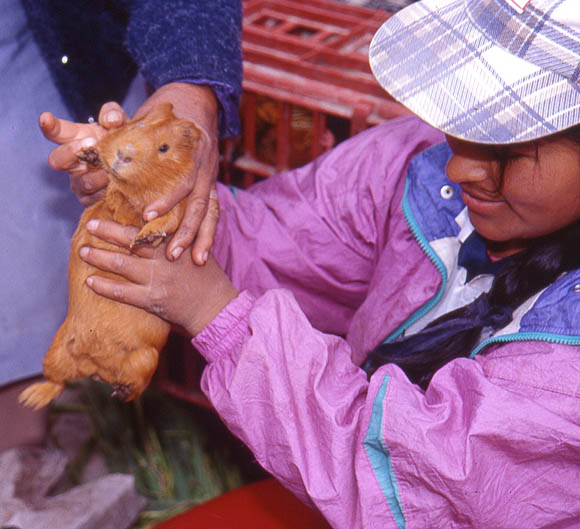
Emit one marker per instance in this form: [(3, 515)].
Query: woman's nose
[(470, 162), (462, 169)]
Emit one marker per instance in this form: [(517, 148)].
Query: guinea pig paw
[(121, 391), (153, 239), (90, 156)]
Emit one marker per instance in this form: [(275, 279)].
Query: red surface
[(262, 505)]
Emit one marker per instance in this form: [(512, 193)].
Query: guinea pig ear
[(160, 112), (189, 133)]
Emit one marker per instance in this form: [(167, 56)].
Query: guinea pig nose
[(124, 155)]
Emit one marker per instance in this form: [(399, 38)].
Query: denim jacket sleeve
[(191, 40)]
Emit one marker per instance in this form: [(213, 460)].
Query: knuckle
[(118, 292), (53, 162), (198, 203), (86, 200), (156, 302), (213, 210), (87, 185), (119, 262)]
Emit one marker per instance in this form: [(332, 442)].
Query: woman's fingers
[(57, 130), (119, 235), (88, 183), (195, 209), (163, 204), (196, 214), (121, 291), (64, 157), (122, 264), (196, 204), (112, 232), (89, 199), (206, 232)]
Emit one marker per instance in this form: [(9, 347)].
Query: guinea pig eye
[(164, 148)]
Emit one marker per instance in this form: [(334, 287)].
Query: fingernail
[(88, 142), (84, 252), (176, 253), (150, 215), (113, 116), (92, 225), (90, 281), (204, 257)]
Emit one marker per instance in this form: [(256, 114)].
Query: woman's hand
[(179, 291), (197, 104), (87, 183)]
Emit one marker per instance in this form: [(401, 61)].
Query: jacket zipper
[(434, 258), (527, 336)]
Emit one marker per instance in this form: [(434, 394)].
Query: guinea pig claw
[(90, 156), (121, 392), (154, 239)]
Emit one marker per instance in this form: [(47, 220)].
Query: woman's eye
[(509, 156), (164, 148), (512, 158)]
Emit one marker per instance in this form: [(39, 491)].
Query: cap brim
[(433, 60)]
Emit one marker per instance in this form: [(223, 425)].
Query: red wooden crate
[(305, 69)]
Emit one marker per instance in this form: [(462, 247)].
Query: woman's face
[(540, 192)]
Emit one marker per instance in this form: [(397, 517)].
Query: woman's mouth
[(479, 202)]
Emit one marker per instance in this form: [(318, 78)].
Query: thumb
[(112, 115)]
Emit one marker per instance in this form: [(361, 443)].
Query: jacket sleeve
[(191, 40), (317, 230), (475, 450)]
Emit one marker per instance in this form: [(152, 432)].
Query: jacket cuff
[(227, 330)]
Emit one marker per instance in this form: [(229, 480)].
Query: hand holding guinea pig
[(88, 183), (177, 291), (192, 102)]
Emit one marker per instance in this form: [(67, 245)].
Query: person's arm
[(318, 230), (474, 451), (489, 444)]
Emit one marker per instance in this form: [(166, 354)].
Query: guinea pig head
[(150, 152)]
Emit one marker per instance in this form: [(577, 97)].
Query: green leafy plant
[(180, 456)]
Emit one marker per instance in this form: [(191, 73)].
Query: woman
[(449, 269)]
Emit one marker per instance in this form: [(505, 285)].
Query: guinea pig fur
[(100, 338)]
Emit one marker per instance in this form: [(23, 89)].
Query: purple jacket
[(333, 258)]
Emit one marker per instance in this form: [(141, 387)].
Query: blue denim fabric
[(38, 212)]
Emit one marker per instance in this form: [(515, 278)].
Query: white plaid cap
[(488, 71)]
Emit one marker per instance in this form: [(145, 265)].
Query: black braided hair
[(457, 333)]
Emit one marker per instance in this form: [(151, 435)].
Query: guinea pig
[(100, 338)]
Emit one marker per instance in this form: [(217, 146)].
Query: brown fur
[(100, 338)]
